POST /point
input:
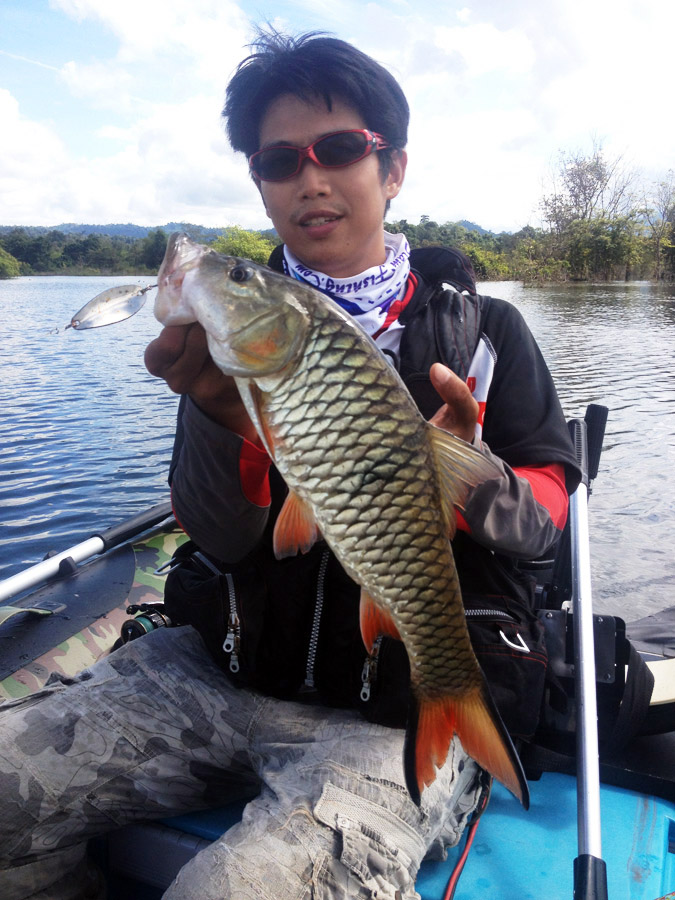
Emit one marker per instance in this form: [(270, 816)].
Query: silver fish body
[(365, 470)]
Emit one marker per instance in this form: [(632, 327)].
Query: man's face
[(331, 219)]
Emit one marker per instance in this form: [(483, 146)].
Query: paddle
[(590, 872), (97, 543)]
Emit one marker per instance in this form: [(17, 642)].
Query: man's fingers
[(179, 356), (459, 413)]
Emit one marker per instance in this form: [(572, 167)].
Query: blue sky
[(110, 108)]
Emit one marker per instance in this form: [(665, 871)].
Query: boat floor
[(517, 854)]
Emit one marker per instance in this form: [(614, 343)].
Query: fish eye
[(241, 273)]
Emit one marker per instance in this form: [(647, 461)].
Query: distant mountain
[(471, 226), (197, 232)]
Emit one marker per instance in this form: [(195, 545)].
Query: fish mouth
[(182, 254)]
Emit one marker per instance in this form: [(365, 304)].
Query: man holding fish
[(329, 670)]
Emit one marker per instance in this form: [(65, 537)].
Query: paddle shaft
[(93, 546), (590, 877)]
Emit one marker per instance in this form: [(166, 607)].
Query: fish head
[(254, 323)]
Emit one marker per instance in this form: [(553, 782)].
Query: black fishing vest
[(441, 324)]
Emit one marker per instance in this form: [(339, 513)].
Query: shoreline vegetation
[(598, 224), (600, 250)]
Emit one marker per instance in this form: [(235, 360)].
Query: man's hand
[(459, 413), (181, 357)]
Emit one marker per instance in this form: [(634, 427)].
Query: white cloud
[(33, 158), (495, 91), (484, 48)]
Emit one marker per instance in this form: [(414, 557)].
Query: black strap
[(634, 706)]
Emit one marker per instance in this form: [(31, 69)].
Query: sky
[(110, 109)]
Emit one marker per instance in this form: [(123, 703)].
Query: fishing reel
[(147, 617)]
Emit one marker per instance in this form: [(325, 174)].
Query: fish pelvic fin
[(474, 718), (295, 530), (460, 467), (375, 621)]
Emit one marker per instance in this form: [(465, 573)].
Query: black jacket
[(291, 627)]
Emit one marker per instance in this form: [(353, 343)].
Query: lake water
[(86, 432)]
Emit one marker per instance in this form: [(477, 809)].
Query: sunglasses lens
[(333, 151), (341, 149), (275, 163)]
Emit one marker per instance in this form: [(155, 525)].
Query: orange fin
[(295, 529), (473, 717), (460, 467), (375, 621)]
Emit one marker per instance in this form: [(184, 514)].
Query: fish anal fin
[(474, 718), (375, 621), (295, 529), (459, 467)]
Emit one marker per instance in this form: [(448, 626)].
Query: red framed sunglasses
[(332, 151)]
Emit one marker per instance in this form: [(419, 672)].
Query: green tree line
[(597, 224), (57, 253)]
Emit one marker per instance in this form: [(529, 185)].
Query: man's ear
[(396, 174)]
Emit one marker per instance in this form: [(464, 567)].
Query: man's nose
[(313, 180)]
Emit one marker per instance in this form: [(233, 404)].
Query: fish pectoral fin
[(474, 718), (375, 621), (295, 529), (460, 467)]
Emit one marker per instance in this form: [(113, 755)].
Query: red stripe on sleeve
[(254, 467), (548, 487), (462, 523)]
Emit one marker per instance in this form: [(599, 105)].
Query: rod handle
[(590, 878), (596, 420)]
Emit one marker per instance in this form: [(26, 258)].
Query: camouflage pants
[(157, 729)]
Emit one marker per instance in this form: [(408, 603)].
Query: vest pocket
[(511, 649), (220, 605)]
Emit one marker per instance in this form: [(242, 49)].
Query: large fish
[(366, 471)]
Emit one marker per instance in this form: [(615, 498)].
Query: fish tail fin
[(476, 721)]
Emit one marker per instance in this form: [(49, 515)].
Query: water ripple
[(87, 433)]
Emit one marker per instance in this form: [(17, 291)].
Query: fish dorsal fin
[(295, 529), (460, 467), (375, 621)]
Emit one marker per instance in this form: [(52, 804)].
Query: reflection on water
[(87, 433), (613, 344)]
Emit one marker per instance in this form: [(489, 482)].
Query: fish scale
[(360, 460), (430, 591)]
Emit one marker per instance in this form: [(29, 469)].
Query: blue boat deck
[(516, 855)]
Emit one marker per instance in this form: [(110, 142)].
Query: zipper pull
[(366, 678), (231, 644), (369, 671)]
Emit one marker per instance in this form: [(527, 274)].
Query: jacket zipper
[(233, 637), (316, 622), (489, 613), (519, 645), (369, 672)]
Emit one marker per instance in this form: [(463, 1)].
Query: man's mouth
[(315, 221)]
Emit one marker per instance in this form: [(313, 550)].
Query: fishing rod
[(590, 871)]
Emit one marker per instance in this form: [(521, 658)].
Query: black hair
[(310, 66)]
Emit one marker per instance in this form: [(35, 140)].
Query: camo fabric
[(156, 729), (96, 639)]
